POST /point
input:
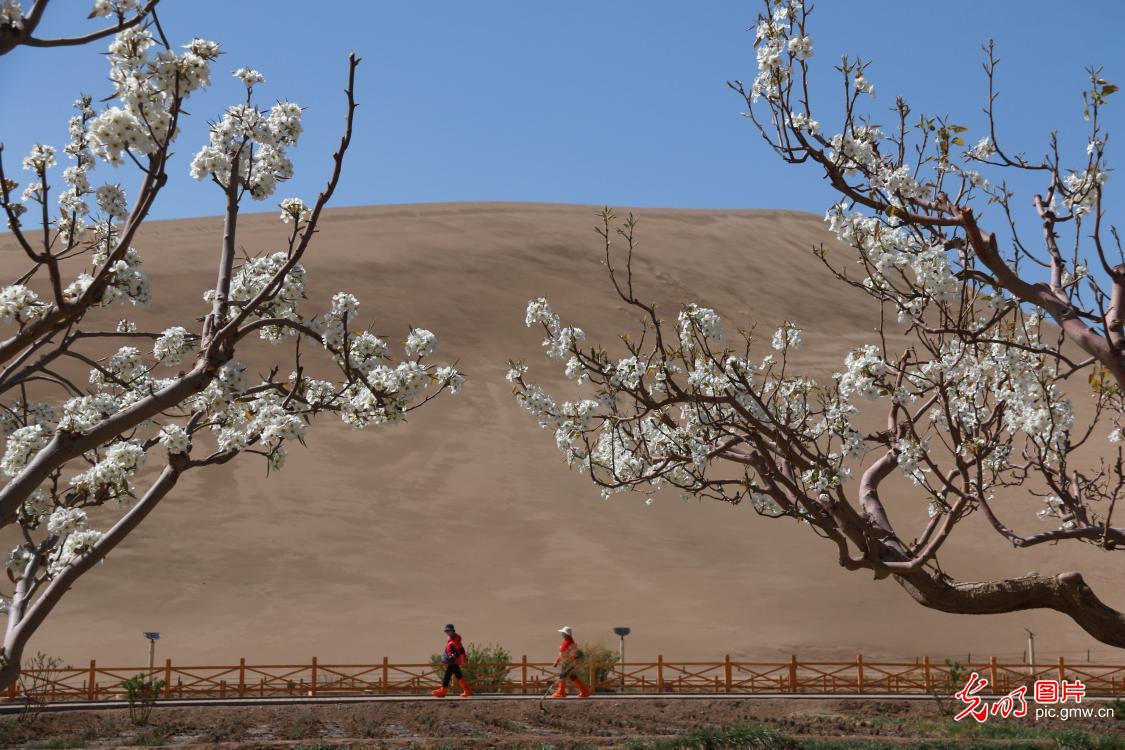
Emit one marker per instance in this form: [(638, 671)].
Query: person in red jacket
[(567, 662), (453, 657)]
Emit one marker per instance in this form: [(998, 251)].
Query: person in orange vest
[(453, 657), (567, 662)]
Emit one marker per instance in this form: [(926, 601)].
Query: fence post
[(926, 673), (242, 677), (727, 672), (386, 676), (859, 672), (992, 678), (660, 673), (12, 688), (312, 682), (167, 678), (523, 675), (1062, 669), (793, 673), (593, 683), (91, 691)]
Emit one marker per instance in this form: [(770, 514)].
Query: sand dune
[(368, 542)]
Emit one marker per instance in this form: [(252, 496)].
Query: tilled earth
[(514, 724)]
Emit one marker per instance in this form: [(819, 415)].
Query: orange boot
[(560, 691), (465, 692), (439, 693), (583, 691)]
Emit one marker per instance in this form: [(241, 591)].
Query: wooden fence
[(525, 677)]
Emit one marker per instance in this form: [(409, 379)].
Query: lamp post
[(621, 633), (152, 637), (1030, 653)]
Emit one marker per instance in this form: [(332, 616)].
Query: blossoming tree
[(967, 390), (159, 403)]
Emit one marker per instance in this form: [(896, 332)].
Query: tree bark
[(18, 633), (1067, 593)]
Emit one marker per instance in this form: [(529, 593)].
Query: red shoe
[(583, 691), (465, 692), (439, 693), (560, 691)]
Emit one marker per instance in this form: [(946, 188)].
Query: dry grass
[(654, 724)]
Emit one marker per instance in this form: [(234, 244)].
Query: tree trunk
[(10, 668), (1067, 593)]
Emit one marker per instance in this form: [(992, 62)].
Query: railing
[(525, 677)]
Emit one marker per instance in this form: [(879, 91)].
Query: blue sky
[(622, 103)]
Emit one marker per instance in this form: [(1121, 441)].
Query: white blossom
[(11, 14), (23, 445), (249, 77), (786, 337), (420, 343), (18, 304), (172, 345), (174, 438), (295, 210)]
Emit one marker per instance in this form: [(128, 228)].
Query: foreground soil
[(657, 723)]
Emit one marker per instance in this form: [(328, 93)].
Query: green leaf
[(1108, 89), (958, 128)]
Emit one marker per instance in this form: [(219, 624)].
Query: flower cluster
[(249, 77), (112, 475), (114, 7), (23, 445), (294, 210), (11, 14), (174, 343), (18, 304), (252, 280), (149, 87), (175, 439), (627, 442), (248, 145)]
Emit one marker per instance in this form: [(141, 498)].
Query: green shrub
[(142, 693), (486, 668), (943, 691), (602, 658)]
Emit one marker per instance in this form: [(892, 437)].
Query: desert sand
[(367, 543)]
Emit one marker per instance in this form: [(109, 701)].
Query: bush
[(35, 686), (487, 667), (943, 691), (142, 693), (602, 658)]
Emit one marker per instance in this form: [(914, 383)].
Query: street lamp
[(621, 632), (152, 637)]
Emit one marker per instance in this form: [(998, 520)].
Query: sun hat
[(565, 630)]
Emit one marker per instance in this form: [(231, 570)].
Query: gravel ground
[(603, 723)]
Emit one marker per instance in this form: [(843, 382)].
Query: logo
[(1049, 695)]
